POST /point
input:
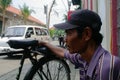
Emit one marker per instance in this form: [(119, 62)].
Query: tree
[(48, 18), (4, 4), (58, 32), (52, 31), (48, 13), (25, 12)]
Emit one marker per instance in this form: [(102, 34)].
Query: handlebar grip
[(44, 50)]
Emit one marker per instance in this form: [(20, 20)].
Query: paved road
[(10, 72)]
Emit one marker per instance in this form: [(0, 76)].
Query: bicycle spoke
[(51, 70), (41, 75), (58, 70), (48, 71)]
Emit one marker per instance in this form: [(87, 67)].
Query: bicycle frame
[(27, 53)]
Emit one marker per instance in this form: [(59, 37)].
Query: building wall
[(118, 24), (95, 5), (107, 10), (104, 11), (13, 19)]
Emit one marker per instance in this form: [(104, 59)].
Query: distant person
[(61, 40), (84, 49)]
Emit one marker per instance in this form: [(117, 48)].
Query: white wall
[(104, 12)]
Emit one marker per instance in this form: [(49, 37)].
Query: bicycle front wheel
[(49, 69)]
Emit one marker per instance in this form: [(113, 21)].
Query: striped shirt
[(103, 65)]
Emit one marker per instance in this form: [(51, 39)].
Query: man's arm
[(56, 50)]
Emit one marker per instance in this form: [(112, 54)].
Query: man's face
[(74, 43)]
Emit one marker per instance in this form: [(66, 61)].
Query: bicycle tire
[(59, 70)]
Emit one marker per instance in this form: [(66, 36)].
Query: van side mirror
[(28, 34), (2, 35)]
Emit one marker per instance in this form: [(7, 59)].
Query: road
[(8, 64), (8, 67)]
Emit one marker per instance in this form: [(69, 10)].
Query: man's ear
[(87, 33)]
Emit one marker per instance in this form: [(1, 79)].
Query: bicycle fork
[(26, 54), (21, 66)]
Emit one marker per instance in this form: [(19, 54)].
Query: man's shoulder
[(108, 56), (117, 61)]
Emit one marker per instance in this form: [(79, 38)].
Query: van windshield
[(14, 32)]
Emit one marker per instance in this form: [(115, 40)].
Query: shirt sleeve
[(116, 73), (73, 58)]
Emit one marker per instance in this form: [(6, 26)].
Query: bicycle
[(48, 67)]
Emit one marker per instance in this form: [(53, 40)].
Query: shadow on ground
[(14, 57)]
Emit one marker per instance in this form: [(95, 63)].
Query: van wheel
[(10, 55)]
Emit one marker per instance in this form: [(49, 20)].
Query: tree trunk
[(48, 21), (3, 22)]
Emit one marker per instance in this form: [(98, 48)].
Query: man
[(84, 49), (61, 40)]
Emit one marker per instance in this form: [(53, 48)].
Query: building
[(13, 18), (118, 23)]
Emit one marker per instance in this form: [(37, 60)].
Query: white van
[(21, 32)]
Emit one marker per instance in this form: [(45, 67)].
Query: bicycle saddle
[(17, 44)]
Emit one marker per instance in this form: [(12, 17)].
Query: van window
[(41, 31), (30, 31), (38, 31), (45, 32), (15, 32)]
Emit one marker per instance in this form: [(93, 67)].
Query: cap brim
[(65, 26)]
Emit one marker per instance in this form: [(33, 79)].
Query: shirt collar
[(94, 60)]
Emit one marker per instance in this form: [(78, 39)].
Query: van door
[(30, 33)]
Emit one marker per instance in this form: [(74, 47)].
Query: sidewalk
[(12, 74)]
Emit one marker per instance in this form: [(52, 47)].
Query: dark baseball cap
[(81, 18)]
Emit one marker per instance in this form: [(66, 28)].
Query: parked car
[(20, 32)]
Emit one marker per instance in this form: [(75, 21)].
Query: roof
[(17, 11), (27, 26)]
